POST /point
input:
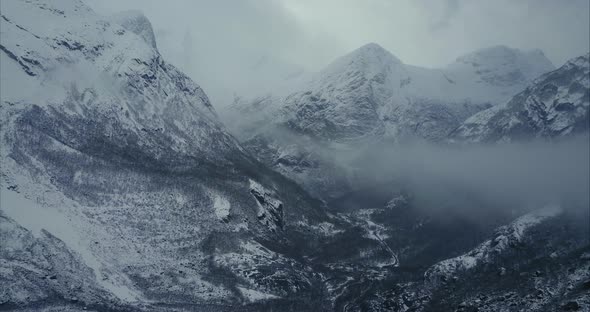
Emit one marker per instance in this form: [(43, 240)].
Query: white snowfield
[(254, 295), (221, 206)]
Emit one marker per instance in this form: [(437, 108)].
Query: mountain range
[(122, 189), (368, 97)]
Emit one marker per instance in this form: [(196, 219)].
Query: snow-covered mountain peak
[(370, 92), (368, 61), (373, 51), (45, 40), (137, 23)]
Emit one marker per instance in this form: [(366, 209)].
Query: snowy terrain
[(118, 179), (121, 189), (554, 105), (505, 237), (369, 96), (370, 92)]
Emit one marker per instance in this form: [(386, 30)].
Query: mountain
[(121, 189), (370, 92), (533, 263), (138, 24), (554, 105), (370, 96)]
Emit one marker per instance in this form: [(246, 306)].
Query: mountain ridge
[(115, 155), (555, 105)]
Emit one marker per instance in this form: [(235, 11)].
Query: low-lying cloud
[(528, 174)]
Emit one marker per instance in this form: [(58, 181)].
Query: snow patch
[(221, 206), (254, 295)]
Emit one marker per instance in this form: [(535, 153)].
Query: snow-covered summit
[(136, 22), (370, 58), (370, 92), (369, 95)]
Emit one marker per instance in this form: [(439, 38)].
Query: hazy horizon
[(222, 44)]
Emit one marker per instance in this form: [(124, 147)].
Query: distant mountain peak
[(372, 51), (373, 48), (369, 61)]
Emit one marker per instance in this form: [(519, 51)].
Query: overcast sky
[(226, 38)]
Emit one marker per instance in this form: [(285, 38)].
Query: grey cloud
[(450, 10)]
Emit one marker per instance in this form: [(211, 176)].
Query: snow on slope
[(137, 23), (504, 238), (221, 206), (253, 295), (370, 92), (69, 228), (128, 157), (53, 49), (369, 96), (556, 104)]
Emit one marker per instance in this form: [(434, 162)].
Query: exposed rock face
[(120, 186), (554, 105)]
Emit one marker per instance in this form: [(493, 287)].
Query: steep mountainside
[(137, 23), (121, 188), (554, 105)]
